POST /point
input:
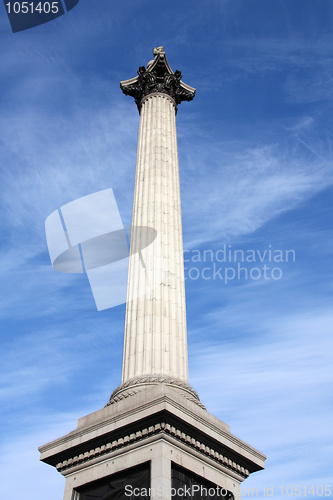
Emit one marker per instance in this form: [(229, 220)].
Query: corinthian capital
[(157, 77)]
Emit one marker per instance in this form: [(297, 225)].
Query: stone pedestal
[(171, 438)]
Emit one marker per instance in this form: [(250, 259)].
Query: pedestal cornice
[(154, 414)]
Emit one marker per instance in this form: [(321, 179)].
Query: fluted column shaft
[(155, 325)]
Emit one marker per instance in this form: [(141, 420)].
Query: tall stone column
[(155, 325), (154, 432), (155, 344)]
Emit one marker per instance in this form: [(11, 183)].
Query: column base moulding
[(131, 387)]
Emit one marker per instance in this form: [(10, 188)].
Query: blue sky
[(255, 151)]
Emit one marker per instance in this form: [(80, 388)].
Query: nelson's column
[(154, 432)]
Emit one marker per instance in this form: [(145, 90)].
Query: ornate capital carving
[(157, 77)]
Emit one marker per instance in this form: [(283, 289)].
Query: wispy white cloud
[(238, 192), (271, 388), (20, 456), (46, 163), (48, 358)]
